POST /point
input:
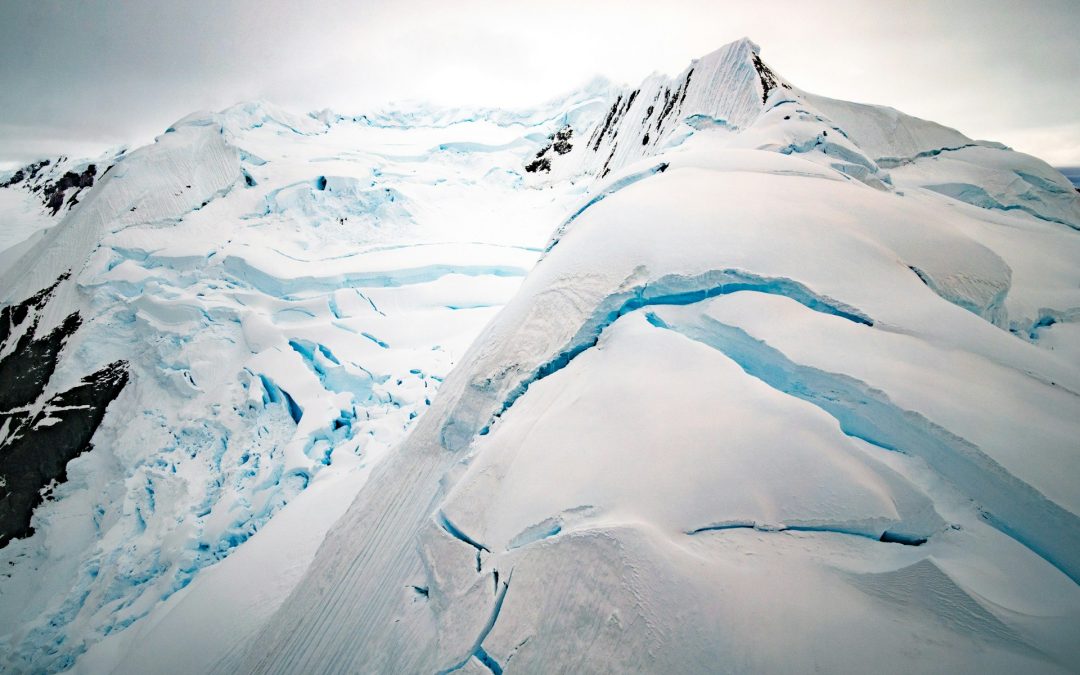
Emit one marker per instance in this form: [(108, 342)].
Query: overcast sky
[(78, 76)]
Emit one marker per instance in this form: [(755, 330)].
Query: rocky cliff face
[(42, 429)]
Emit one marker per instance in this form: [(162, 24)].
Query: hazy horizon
[(81, 78)]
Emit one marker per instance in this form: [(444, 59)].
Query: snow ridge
[(644, 385), (788, 370)]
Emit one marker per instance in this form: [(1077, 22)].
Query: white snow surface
[(751, 380), (289, 294)]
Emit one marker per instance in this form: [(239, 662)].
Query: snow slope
[(762, 406), (794, 385), (286, 293), (34, 197)]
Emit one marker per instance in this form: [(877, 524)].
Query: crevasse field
[(708, 375)]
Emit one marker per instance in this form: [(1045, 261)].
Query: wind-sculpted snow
[(724, 85), (984, 296), (670, 290), (35, 196), (789, 372), (613, 187), (758, 398), (932, 156), (286, 317), (581, 103), (973, 194), (253, 115), (1007, 503), (337, 198), (244, 271), (179, 174), (886, 133)]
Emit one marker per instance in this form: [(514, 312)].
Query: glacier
[(708, 374)]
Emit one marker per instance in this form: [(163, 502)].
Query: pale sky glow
[(78, 77)]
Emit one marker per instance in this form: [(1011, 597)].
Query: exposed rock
[(538, 164), (562, 140), (30, 171), (38, 438), (769, 81), (559, 142), (61, 431), (53, 193)]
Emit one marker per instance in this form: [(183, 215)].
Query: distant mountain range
[(1072, 173)]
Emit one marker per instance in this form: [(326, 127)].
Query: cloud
[(119, 72)]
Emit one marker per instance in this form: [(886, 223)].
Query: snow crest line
[(886, 536), (1006, 502), (977, 196), (285, 287), (619, 184), (671, 290), (478, 652)]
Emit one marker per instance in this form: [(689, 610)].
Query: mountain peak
[(696, 366), (728, 87), (740, 48)]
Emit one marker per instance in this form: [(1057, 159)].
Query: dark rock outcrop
[(53, 193), (28, 172), (39, 435), (559, 142), (769, 80)]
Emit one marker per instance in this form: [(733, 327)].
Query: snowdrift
[(710, 374)]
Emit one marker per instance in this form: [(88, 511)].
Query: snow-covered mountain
[(712, 374)]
